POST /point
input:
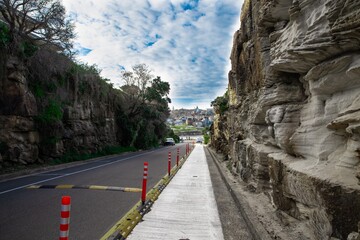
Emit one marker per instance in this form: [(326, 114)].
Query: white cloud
[(188, 47), (158, 5)]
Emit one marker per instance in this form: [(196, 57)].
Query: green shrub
[(61, 80), (84, 68), (146, 137), (82, 87), (174, 136), (38, 91), (222, 103), (206, 138), (4, 35), (27, 49), (53, 140), (52, 113), (51, 87)]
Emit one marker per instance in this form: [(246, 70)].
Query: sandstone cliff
[(293, 124), (53, 109), (49, 108)]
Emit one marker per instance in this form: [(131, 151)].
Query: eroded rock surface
[(294, 114), (69, 115)]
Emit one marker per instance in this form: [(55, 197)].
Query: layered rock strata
[(294, 115), (19, 137), (61, 114)]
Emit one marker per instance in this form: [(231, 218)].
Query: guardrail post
[(143, 191), (65, 218), (177, 157), (169, 164)]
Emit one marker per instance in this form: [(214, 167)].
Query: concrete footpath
[(186, 209)]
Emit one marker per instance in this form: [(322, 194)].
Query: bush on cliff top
[(221, 104)]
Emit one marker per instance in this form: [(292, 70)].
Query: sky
[(185, 42)]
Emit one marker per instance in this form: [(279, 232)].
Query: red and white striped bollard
[(169, 163), (65, 218), (143, 191), (177, 157)]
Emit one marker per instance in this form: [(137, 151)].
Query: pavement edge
[(257, 230), (129, 221)]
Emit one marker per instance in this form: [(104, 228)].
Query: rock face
[(19, 138), (294, 114), (45, 115)]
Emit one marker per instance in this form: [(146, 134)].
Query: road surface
[(35, 214)]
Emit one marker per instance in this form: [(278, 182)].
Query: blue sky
[(185, 42)]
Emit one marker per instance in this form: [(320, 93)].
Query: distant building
[(184, 114), (189, 121), (210, 112), (183, 119), (197, 110), (206, 122), (198, 124), (178, 122)]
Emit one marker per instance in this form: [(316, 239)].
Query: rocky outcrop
[(48, 109), (220, 134), (294, 112), (19, 137)]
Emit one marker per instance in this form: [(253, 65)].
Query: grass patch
[(184, 128)]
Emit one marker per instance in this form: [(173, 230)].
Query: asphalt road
[(30, 214)]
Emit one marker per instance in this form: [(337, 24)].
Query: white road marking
[(73, 173)]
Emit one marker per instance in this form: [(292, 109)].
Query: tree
[(140, 77), (158, 91), (41, 22), (139, 90), (136, 82), (144, 106)]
